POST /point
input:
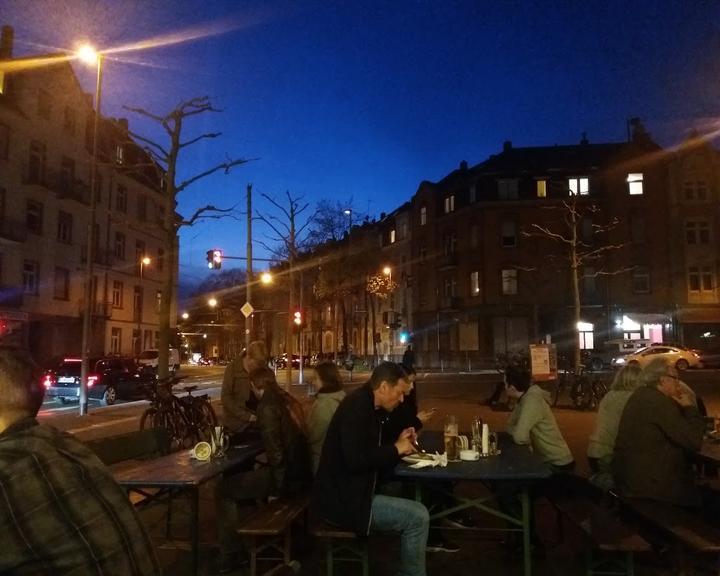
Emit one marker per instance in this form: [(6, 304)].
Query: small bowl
[(469, 455)]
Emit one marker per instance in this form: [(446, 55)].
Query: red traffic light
[(297, 317)]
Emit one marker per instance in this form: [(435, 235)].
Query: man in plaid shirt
[(61, 512)]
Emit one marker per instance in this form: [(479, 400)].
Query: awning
[(641, 318), (710, 314)]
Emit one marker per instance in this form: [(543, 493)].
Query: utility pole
[(249, 271)]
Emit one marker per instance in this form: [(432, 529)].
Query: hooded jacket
[(351, 458)]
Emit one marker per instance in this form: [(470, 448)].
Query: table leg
[(527, 557), (194, 527)]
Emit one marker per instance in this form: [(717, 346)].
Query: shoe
[(459, 521), (439, 544)]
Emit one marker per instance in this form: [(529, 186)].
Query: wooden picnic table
[(178, 472), (515, 463)]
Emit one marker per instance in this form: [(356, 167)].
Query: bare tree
[(165, 158), (582, 241)]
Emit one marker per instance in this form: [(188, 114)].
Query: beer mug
[(450, 437), (219, 441), (202, 451)]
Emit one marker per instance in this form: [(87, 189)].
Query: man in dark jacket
[(660, 426), (238, 401), (344, 491), (287, 474)]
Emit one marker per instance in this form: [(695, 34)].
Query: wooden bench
[(270, 528), (341, 546), (616, 542), (684, 527)]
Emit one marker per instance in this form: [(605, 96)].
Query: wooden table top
[(179, 469)]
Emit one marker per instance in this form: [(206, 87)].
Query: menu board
[(543, 362)]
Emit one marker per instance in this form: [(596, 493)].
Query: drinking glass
[(450, 437)]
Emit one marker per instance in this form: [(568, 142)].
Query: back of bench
[(136, 445)]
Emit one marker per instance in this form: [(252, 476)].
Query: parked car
[(710, 358), (109, 379), (598, 359), (281, 361), (681, 358), (150, 358)]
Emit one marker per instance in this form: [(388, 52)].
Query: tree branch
[(201, 213), (226, 166), (201, 137)]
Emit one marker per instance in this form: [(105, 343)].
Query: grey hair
[(20, 387), (654, 370), (629, 378)]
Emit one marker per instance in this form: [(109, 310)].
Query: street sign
[(247, 309)]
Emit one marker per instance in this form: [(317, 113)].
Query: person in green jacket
[(329, 395), (659, 429)]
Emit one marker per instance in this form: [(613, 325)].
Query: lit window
[(579, 186), (475, 283), (635, 184), (541, 186), (119, 154), (117, 294), (585, 335), (392, 236), (509, 281), (423, 215), (450, 204)]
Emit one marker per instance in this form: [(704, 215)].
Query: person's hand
[(425, 415), (406, 442)]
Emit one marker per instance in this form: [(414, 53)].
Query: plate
[(415, 458)]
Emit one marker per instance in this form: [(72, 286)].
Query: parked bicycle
[(585, 389), (188, 419)]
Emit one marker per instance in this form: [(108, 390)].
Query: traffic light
[(297, 317), (214, 259)]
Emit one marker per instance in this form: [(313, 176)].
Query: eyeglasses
[(673, 376)]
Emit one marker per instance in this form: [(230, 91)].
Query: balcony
[(62, 183), (13, 230), (450, 303)]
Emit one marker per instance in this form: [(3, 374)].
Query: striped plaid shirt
[(61, 512)]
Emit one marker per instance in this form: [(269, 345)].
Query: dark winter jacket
[(285, 444), (351, 457), (654, 441)]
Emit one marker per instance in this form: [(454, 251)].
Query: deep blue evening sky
[(366, 99)]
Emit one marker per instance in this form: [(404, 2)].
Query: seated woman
[(602, 439), (329, 395)]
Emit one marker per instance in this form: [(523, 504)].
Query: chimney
[(6, 42), (463, 165), (507, 145)]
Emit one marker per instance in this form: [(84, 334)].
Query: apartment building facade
[(46, 133)]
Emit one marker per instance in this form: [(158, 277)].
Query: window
[(635, 184), (508, 234), (142, 207), (697, 232), (137, 303), (541, 188), (160, 259), (509, 281), (474, 236), (403, 230), (449, 203), (475, 283), (121, 199), (4, 141), (34, 217), (641, 281), (69, 119), (449, 287), (700, 278), (423, 215), (473, 194), (119, 245), (117, 294), (637, 229), (67, 175), (507, 189), (158, 301), (586, 336), (36, 163), (31, 276), (44, 104), (579, 186), (120, 154), (65, 227), (139, 255), (392, 236), (695, 190), (589, 284), (450, 243), (62, 284), (115, 340)]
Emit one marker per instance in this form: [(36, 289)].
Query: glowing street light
[(266, 278), (212, 302), (94, 58), (185, 315)]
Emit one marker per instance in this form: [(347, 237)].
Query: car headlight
[(619, 360)]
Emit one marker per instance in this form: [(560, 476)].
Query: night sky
[(364, 100)]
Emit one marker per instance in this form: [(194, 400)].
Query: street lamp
[(185, 315), (144, 261), (92, 57), (266, 278)]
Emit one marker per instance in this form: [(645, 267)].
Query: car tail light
[(92, 379), (47, 381)]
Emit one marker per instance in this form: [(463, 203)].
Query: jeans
[(411, 520)]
